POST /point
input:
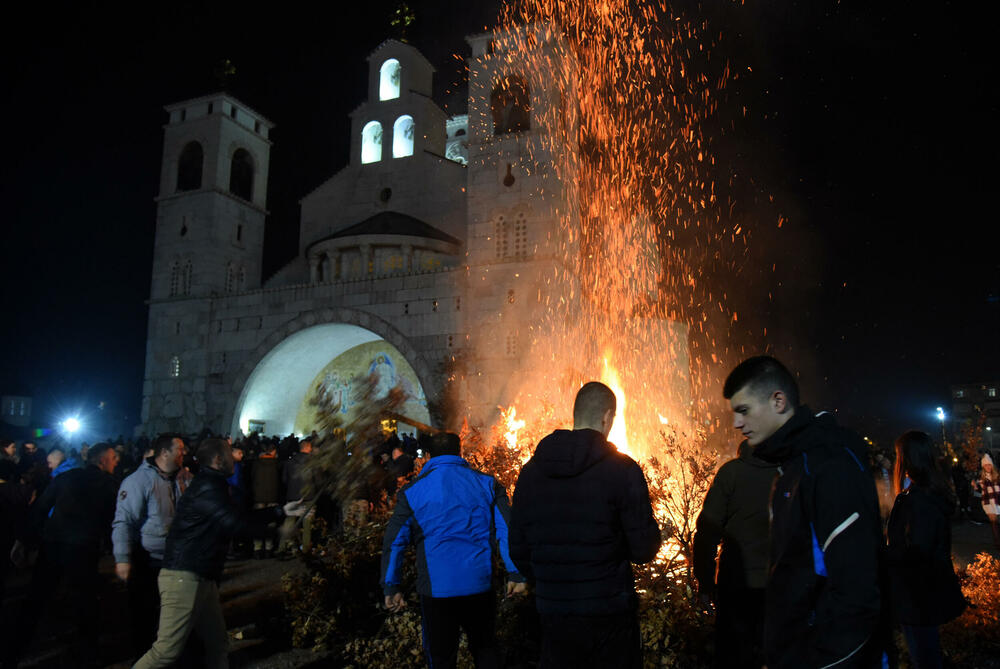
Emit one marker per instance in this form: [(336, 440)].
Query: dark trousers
[(601, 642), (739, 627), (75, 567), (924, 645), (143, 600), (441, 619)]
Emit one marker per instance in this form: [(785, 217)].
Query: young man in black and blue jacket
[(455, 516)]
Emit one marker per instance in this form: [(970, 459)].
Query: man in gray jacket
[(146, 502)]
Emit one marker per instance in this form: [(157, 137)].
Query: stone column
[(314, 269)]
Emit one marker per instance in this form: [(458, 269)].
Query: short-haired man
[(146, 503), (456, 516), (72, 518), (193, 559), (822, 593), (581, 516)]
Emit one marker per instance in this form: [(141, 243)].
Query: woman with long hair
[(989, 484), (924, 590)]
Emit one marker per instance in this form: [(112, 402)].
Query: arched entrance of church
[(327, 357)]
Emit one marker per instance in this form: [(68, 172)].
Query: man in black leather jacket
[(205, 521), (822, 594)]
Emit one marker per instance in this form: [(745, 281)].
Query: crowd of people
[(791, 551)]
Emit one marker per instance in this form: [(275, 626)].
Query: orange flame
[(619, 429)]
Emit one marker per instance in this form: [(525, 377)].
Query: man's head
[(237, 453), (30, 447), (55, 458), (763, 395), (306, 446), (7, 447), (594, 408), (216, 454), (444, 443), (168, 452), (103, 456)]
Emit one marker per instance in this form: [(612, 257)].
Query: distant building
[(969, 399), (436, 242), (15, 410)]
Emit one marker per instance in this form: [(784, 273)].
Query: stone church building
[(433, 241)]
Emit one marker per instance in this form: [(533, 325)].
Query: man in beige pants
[(194, 557)]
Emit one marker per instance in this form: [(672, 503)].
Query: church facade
[(436, 242)]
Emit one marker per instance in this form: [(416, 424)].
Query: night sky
[(874, 129)]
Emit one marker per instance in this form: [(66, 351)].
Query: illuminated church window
[(175, 366), (389, 80), (402, 137), (371, 142)]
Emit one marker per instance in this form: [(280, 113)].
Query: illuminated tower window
[(175, 366), (371, 143), (402, 137), (389, 78)]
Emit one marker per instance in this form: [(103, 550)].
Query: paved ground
[(251, 600), (252, 603)]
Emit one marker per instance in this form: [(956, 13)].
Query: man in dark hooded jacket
[(580, 517), (735, 513), (823, 601)]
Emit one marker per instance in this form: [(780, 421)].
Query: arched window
[(402, 137), (241, 279), (175, 366), (189, 167), (186, 278), (389, 77), (241, 175), (510, 105), (501, 236), (371, 143)]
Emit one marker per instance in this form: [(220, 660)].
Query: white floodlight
[(71, 425), (940, 414)]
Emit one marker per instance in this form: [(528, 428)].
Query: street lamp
[(940, 417), (990, 430)]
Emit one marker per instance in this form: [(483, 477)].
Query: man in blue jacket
[(456, 516), (147, 499)]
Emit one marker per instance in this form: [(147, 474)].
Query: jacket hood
[(787, 442), (568, 453), (746, 455)]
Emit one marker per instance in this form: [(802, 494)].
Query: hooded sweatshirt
[(580, 517), (736, 513)]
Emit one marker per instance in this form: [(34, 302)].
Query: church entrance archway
[(327, 357)]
